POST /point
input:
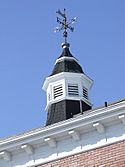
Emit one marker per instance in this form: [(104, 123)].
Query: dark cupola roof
[(66, 62), (66, 53)]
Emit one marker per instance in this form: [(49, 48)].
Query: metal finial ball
[(65, 45)]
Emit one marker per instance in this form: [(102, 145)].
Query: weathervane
[(64, 25)]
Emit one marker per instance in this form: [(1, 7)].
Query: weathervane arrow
[(64, 25), (61, 14)]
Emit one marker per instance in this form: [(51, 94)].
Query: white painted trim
[(63, 75), (100, 128), (5, 155), (122, 118), (66, 78), (28, 149), (88, 118), (82, 151), (75, 135), (51, 142), (74, 127)]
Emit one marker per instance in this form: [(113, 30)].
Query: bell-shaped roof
[(66, 53), (66, 62)]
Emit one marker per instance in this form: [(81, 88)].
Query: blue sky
[(29, 48)]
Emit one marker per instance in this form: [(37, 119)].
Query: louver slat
[(73, 90), (58, 91), (85, 93)]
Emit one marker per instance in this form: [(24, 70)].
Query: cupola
[(67, 88)]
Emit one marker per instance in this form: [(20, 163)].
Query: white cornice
[(63, 75), (90, 117), (100, 127)]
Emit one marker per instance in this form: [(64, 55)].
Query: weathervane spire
[(64, 24)]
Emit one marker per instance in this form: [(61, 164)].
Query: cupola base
[(64, 110)]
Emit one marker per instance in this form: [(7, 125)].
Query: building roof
[(92, 112), (96, 128)]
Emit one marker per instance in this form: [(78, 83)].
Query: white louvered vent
[(73, 90), (58, 91), (85, 92)]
